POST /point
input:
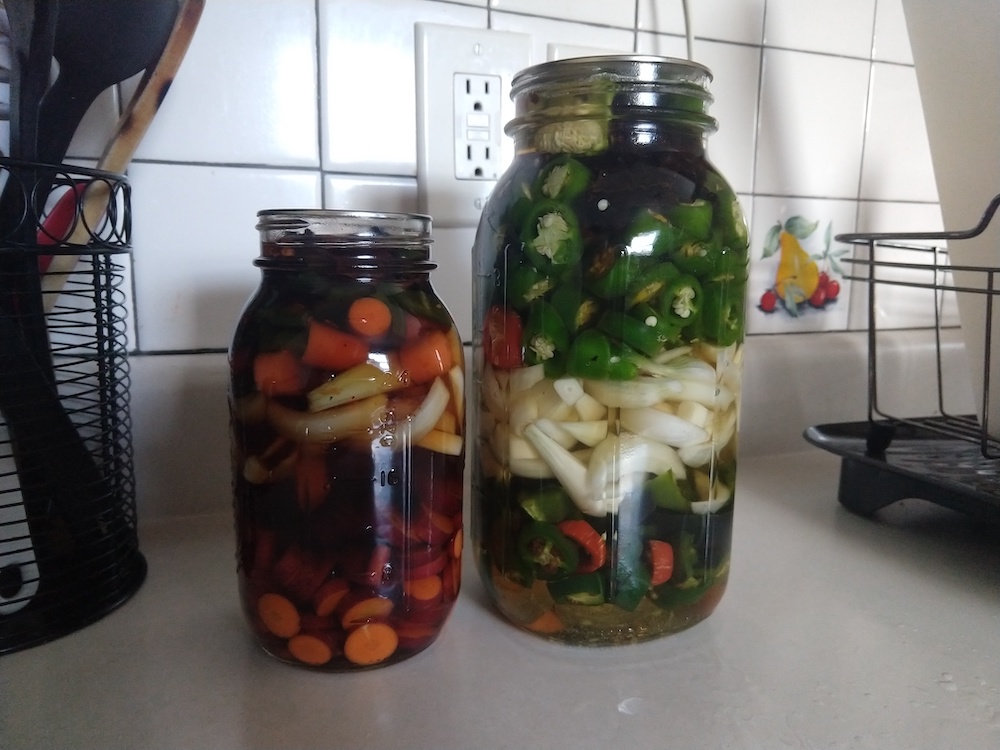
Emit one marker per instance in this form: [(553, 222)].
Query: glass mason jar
[(347, 413), (611, 265)]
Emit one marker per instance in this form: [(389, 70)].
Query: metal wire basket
[(69, 550), (949, 458)]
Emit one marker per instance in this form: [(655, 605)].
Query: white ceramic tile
[(892, 41), (736, 73), (840, 27), (897, 162), (370, 193), (615, 13), (246, 91), (562, 51), (452, 279), (724, 20), (898, 306), (194, 243), (666, 45), (828, 216), (545, 31), (812, 120), (368, 80)]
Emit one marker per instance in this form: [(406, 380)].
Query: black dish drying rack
[(952, 460)]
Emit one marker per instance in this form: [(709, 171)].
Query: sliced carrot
[(360, 608), (371, 643), (455, 546), (416, 635), (311, 480), (300, 573), (278, 373), (451, 578), (547, 622), (434, 528), (315, 649), (328, 596), (279, 615), (369, 316), (332, 349), (424, 590), (427, 357)]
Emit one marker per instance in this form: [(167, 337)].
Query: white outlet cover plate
[(442, 52)]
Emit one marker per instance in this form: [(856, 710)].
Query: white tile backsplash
[(302, 103)]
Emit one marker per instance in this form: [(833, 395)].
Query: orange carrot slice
[(369, 316), (427, 357), (370, 644), (279, 615), (329, 596), (424, 590), (361, 608), (315, 649), (547, 622), (332, 349)]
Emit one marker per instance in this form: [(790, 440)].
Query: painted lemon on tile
[(798, 274)]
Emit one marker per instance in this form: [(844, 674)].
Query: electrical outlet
[(463, 102)]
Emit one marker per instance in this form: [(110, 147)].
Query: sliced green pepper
[(592, 356), (651, 283), (545, 338), (576, 308), (652, 234), (694, 219), (424, 306), (635, 333), (563, 178), (668, 330), (682, 302), (669, 492), (613, 282), (525, 284), (546, 548), (697, 257), (551, 237), (586, 588), (550, 504), (630, 576), (722, 314)]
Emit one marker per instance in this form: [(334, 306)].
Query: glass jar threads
[(347, 413), (611, 266)]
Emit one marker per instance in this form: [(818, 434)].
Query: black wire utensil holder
[(951, 459), (69, 550)]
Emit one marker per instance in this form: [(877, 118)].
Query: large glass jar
[(347, 411), (611, 266)]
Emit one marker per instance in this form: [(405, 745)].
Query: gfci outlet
[(463, 101)]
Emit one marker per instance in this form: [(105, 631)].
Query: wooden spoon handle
[(125, 139)]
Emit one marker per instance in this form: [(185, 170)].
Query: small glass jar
[(347, 414), (611, 266)]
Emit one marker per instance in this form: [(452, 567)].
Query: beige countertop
[(837, 631)]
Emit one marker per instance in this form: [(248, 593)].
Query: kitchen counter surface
[(837, 631)]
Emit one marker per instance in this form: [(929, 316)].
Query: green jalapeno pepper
[(722, 313), (551, 237), (525, 284), (550, 504), (646, 339), (576, 309), (697, 257), (630, 577), (585, 588), (562, 179), (668, 492), (552, 555), (613, 282), (653, 234), (694, 219), (681, 302), (651, 283), (545, 339), (592, 356), (667, 329)]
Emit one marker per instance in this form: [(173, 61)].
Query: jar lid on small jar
[(385, 237)]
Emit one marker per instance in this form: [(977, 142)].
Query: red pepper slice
[(592, 543), (661, 561), (502, 338)]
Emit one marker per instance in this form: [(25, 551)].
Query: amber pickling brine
[(611, 265), (347, 413)]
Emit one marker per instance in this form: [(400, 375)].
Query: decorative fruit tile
[(798, 271)]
